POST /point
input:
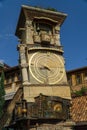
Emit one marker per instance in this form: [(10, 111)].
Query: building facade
[(79, 103), (77, 78)]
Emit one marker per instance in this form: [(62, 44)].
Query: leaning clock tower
[(41, 54), (42, 65)]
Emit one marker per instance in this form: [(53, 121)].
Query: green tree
[(81, 92), (2, 93)]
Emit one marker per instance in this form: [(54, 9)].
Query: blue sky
[(73, 30)]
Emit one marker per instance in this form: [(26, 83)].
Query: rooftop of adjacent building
[(77, 69)]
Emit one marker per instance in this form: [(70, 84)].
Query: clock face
[(46, 67)]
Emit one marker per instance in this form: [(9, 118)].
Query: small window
[(43, 27), (78, 79), (69, 78), (85, 76), (7, 77), (12, 78), (19, 76)]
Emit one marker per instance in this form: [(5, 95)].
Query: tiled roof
[(79, 109), (77, 69)]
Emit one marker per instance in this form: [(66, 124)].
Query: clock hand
[(48, 68), (45, 67)]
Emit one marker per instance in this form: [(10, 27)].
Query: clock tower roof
[(29, 12)]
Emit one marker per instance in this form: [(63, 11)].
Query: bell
[(38, 29)]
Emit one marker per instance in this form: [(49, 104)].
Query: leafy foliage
[(2, 93), (81, 92)]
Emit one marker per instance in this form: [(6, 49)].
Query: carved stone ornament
[(57, 28), (22, 56), (24, 65), (22, 47), (28, 23)]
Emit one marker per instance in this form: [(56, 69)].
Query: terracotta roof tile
[(79, 109)]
